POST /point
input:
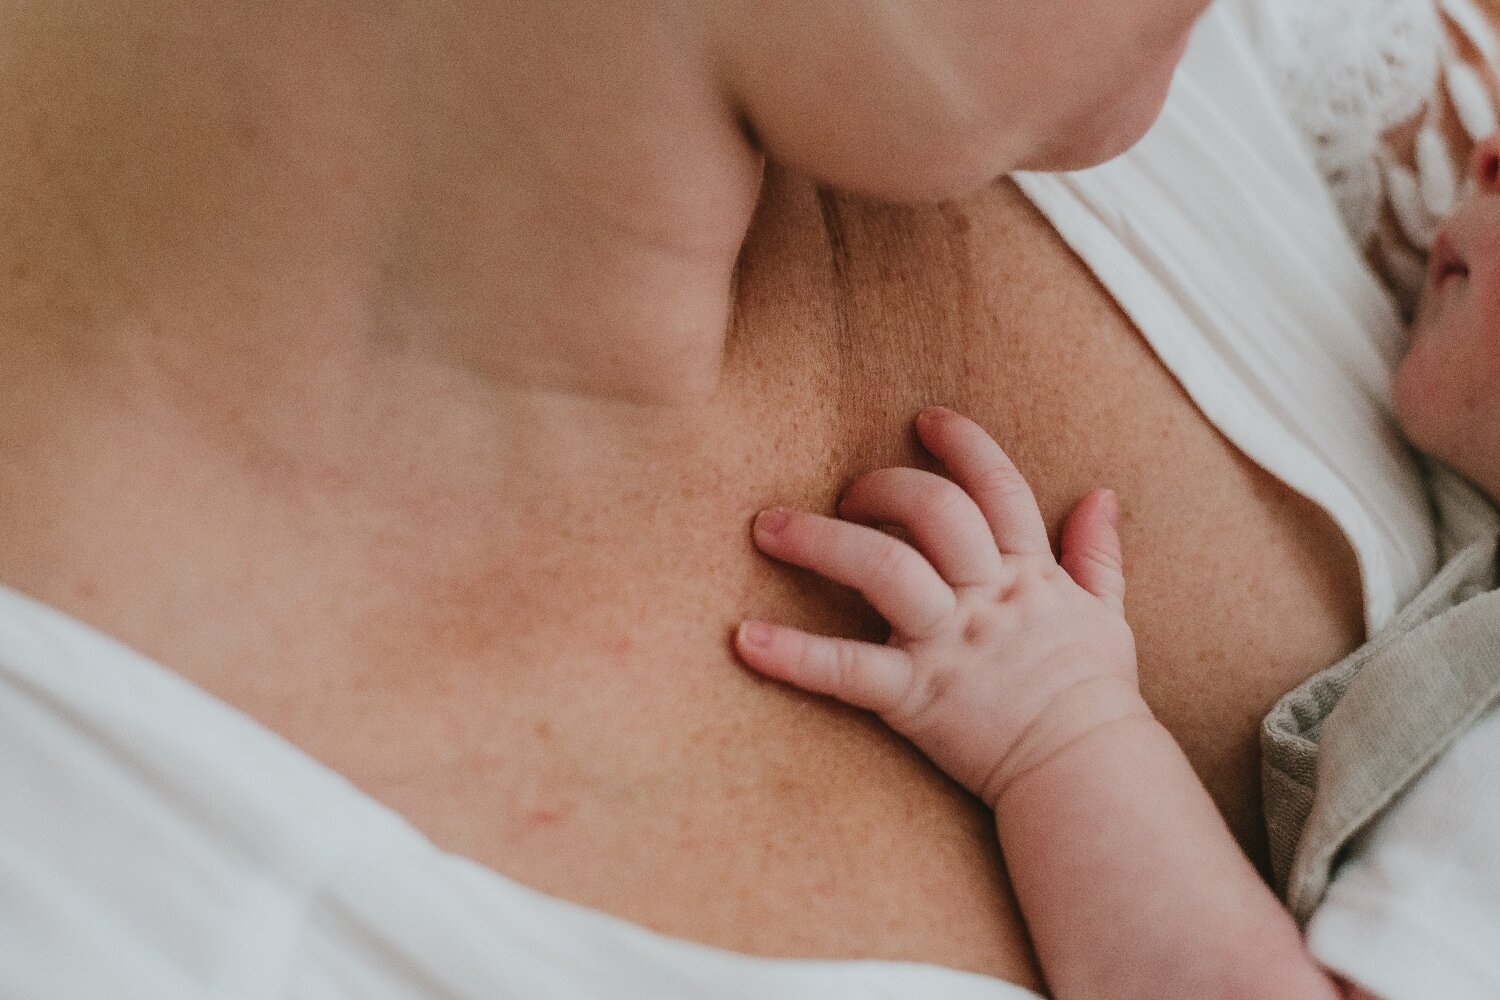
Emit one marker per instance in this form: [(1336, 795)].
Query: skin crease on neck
[(243, 303), (331, 386), (233, 269)]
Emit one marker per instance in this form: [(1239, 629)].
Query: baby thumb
[(1091, 548)]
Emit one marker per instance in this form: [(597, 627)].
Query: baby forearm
[(1131, 884)]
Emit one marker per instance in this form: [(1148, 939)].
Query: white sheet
[(1415, 914), (157, 844)]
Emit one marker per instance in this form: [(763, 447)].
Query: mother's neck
[(549, 196), (339, 314)]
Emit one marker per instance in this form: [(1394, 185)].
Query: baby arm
[(1017, 676)]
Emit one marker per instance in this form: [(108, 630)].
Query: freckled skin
[(701, 801), (852, 316), (404, 580)]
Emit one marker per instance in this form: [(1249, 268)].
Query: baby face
[(1447, 390)]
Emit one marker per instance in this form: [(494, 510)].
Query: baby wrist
[(1073, 716)]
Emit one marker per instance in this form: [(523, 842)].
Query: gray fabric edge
[(1341, 747), (1291, 732)]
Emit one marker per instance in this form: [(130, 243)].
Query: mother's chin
[(1113, 125), (920, 100)]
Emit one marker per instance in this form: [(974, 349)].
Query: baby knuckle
[(843, 664), (1035, 580), (939, 685), (890, 561), (937, 496), (801, 652), (1101, 558), (925, 689), (1001, 483), (1048, 575)]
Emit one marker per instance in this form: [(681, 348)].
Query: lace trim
[(1350, 72)]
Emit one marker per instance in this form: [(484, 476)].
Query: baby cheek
[(1446, 394), (1422, 396)]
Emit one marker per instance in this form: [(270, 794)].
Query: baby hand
[(999, 657)]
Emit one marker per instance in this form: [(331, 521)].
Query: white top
[(1220, 237), (1416, 913), (157, 844)]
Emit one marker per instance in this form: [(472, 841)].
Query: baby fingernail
[(771, 522), (755, 635)]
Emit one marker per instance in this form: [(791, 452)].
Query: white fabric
[(156, 844), (1348, 72), (1219, 238), (1351, 70), (1415, 914)]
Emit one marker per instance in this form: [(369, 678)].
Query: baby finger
[(861, 674), (892, 575), (945, 524)]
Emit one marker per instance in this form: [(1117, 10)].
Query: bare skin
[(1011, 666), (1014, 670), (674, 790), (500, 599)]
